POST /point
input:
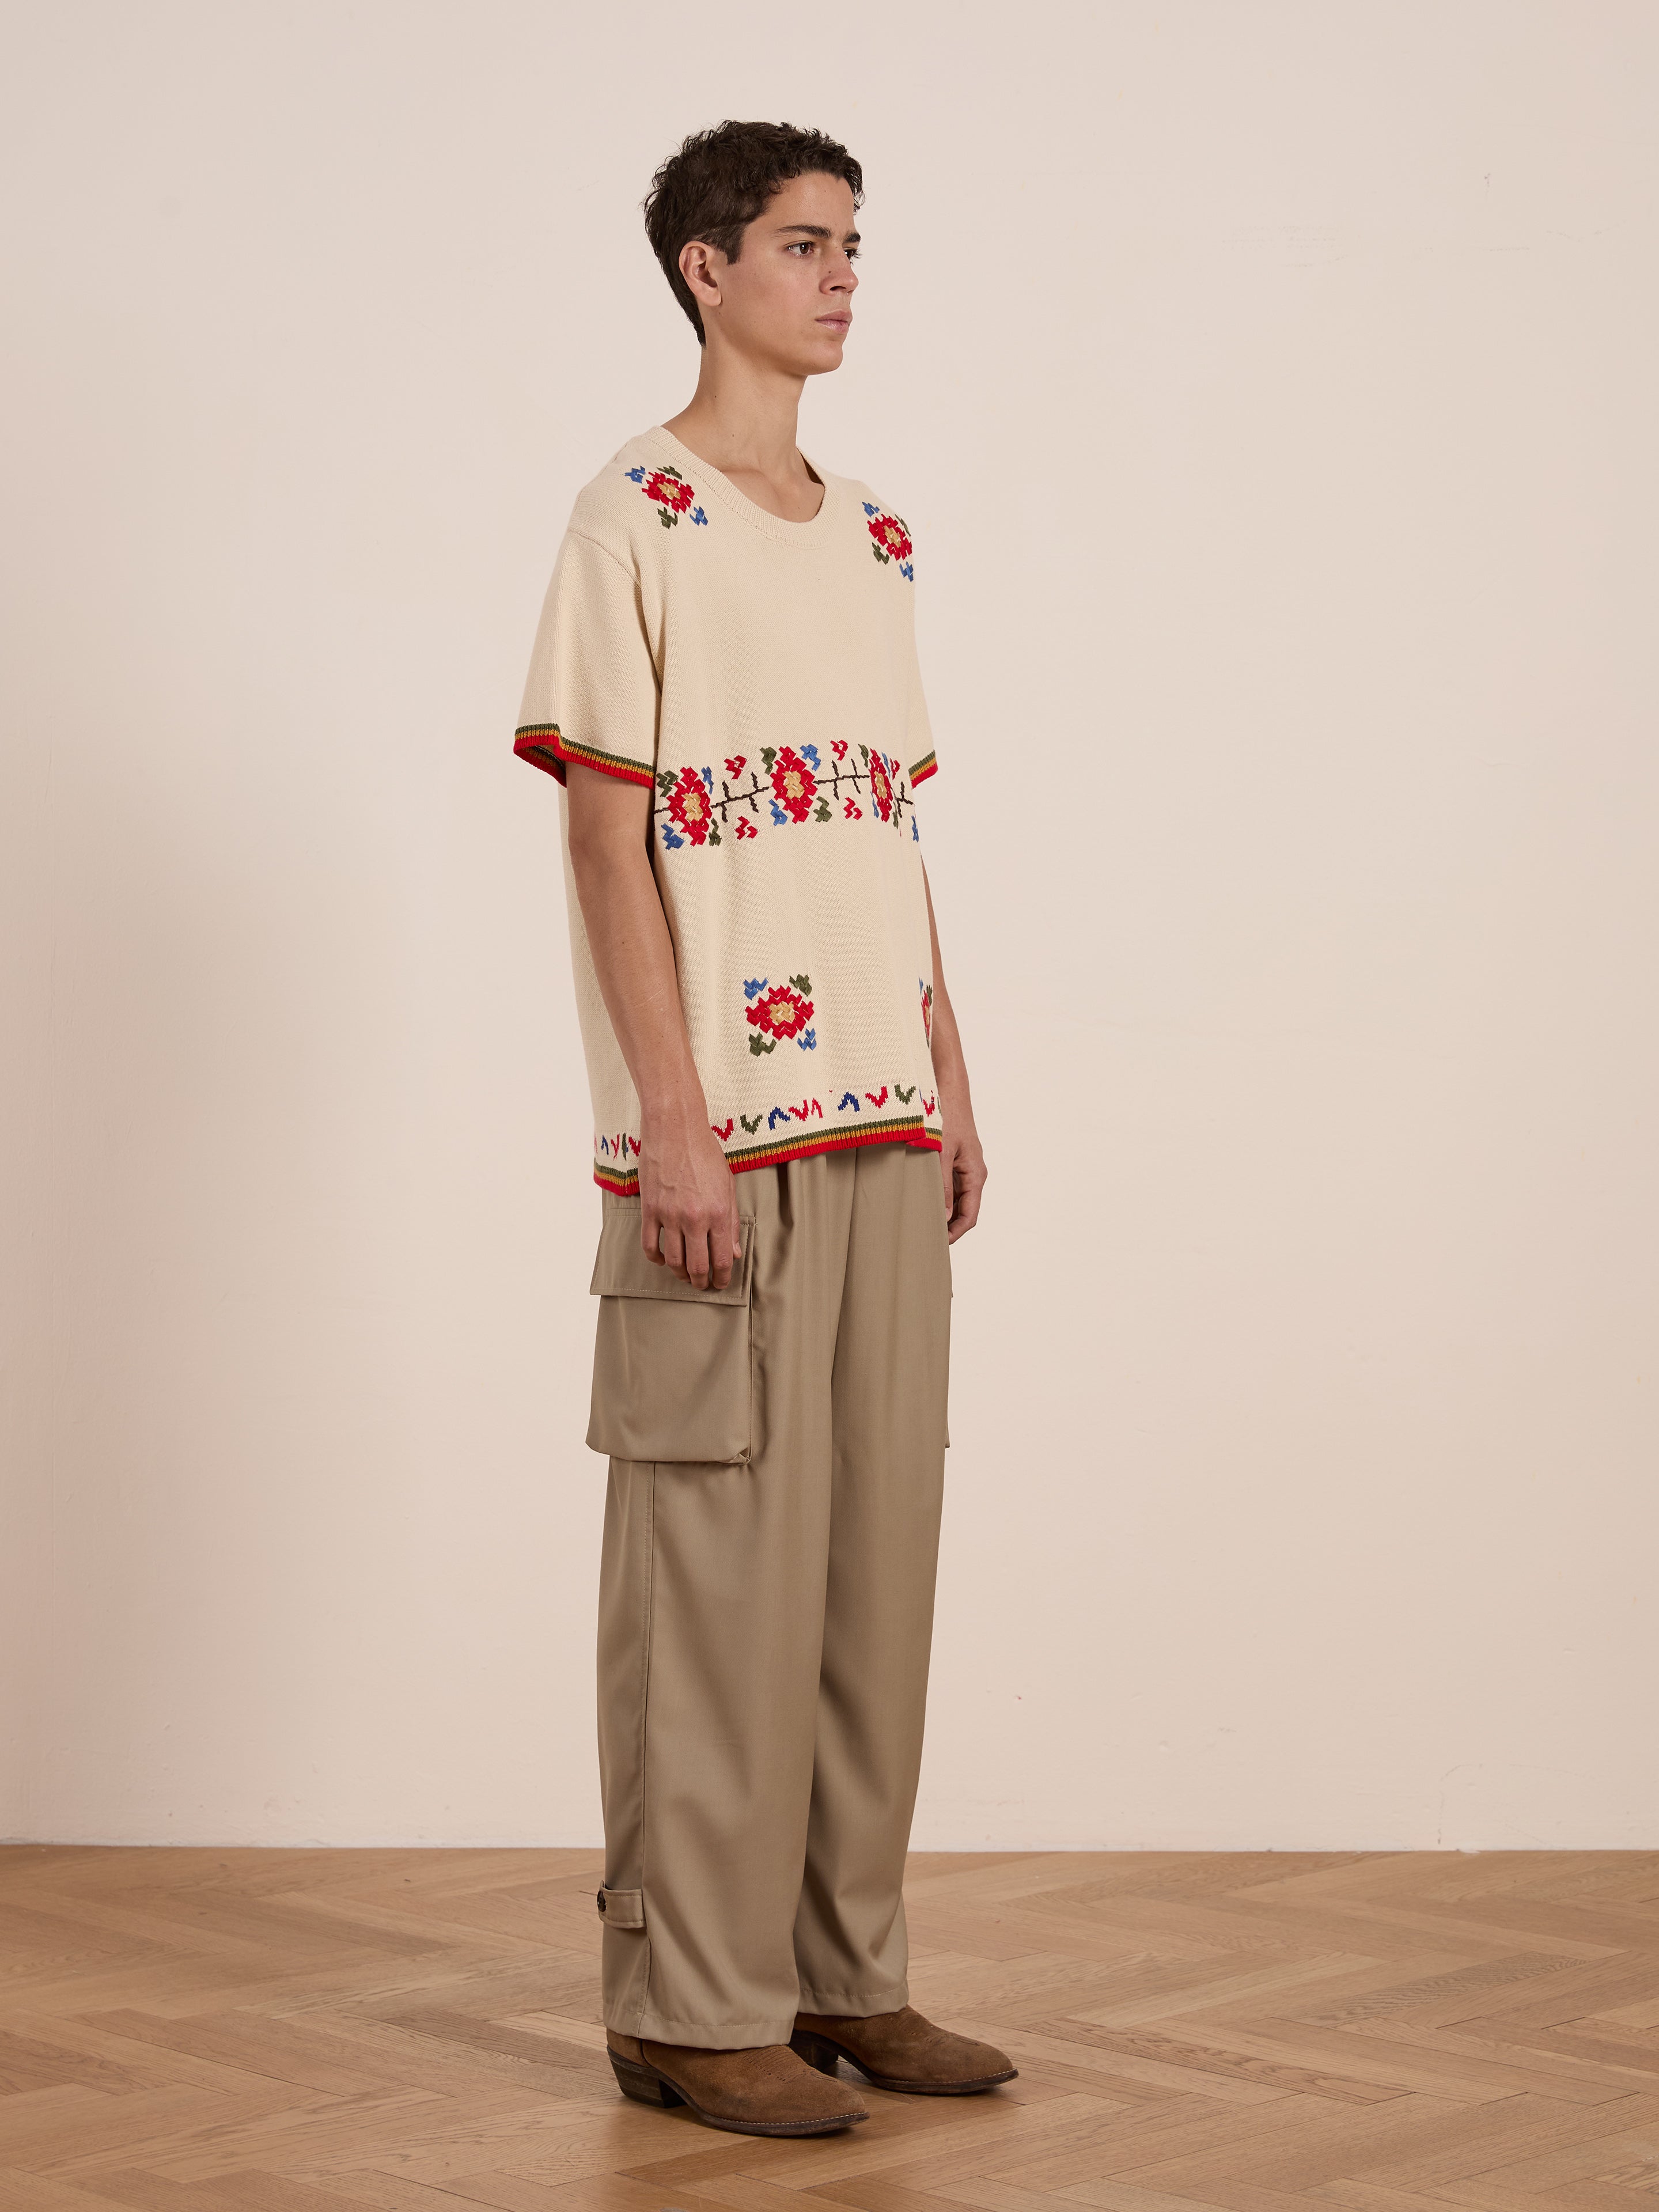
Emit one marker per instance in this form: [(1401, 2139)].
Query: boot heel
[(815, 2050), (634, 2081)]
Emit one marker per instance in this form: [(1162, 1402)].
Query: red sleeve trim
[(544, 745), (927, 766)]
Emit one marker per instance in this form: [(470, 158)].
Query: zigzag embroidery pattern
[(869, 1128), (622, 1180), (809, 1108)]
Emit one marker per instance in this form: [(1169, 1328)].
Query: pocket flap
[(623, 1908), (622, 1270)]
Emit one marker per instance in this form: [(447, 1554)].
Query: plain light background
[(1269, 388)]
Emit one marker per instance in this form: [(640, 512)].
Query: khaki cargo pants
[(766, 1598)]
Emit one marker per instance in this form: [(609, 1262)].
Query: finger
[(651, 1236), (969, 1193), (696, 1257), (673, 1250), (721, 1254)]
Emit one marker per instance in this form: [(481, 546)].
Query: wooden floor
[(295, 2031)]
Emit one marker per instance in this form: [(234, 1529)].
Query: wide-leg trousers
[(766, 1598)]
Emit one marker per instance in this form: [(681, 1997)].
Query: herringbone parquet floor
[(296, 2031)]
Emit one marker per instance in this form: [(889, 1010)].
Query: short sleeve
[(591, 693)]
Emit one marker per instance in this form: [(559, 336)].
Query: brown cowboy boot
[(902, 2050), (761, 2091)]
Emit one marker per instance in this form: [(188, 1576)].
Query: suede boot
[(761, 2091), (902, 2050)]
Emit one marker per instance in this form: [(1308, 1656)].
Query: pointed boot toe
[(901, 2052)]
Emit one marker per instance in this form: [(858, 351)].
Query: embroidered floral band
[(782, 786)]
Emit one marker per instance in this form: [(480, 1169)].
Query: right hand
[(688, 1204)]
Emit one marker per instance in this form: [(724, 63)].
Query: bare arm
[(962, 1162), (688, 1199)]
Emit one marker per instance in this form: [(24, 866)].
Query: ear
[(701, 265)]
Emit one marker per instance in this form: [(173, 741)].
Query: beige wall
[(1271, 390)]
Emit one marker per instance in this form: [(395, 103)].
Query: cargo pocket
[(671, 1364), (625, 1952), (622, 1908)]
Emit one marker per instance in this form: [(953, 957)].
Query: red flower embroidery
[(852, 813), (736, 763), (881, 788), (745, 827), (794, 783), (928, 1013), (891, 537), (688, 803), (838, 747), (782, 1012), (671, 490)]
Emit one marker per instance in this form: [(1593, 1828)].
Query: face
[(788, 300)]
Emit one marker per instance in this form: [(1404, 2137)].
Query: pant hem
[(703, 2034), (856, 2004)]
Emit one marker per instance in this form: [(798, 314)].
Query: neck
[(742, 416)]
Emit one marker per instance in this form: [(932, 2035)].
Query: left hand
[(962, 1164)]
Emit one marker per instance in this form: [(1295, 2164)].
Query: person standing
[(725, 682)]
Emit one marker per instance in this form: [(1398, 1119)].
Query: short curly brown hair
[(717, 181)]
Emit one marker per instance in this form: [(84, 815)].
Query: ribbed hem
[(625, 1182), (544, 745), (839, 1140)]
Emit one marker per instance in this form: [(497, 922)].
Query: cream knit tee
[(760, 679)]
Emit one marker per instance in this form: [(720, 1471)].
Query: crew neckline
[(813, 531)]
